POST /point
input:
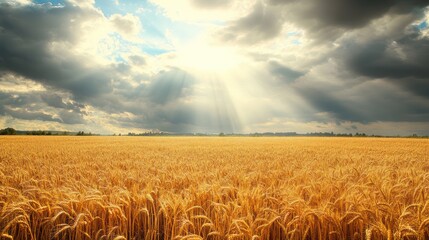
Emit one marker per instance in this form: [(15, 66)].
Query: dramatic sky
[(119, 66)]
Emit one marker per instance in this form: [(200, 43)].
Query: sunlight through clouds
[(214, 66), (209, 59)]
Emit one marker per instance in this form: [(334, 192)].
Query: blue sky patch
[(53, 2), (422, 25)]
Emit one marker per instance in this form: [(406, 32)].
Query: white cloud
[(18, 84), (21, 124), (83, 3), (18, 2), (128, 25)]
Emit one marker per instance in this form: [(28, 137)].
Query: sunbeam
[(209, 58)]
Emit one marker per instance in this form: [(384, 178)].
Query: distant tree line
[(150, 133), (280, 134), (58, 133), (8, 131), (12, 131), (82, 133), (39, 133)]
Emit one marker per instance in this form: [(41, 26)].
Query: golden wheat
[(213, 188)]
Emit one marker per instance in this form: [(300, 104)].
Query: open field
[(213, 188)]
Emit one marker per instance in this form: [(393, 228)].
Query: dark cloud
[(176, 118), (57, 101), (28, 115), (26, 38), (403, 62), (263, 23), (211, 3), (41, 106), (169, 86), (54, 100), (70, 117), (322, 20), (326, 21), (186, 118), (325, 101), (351, 13), (39, 23), (64, 116), (362, 101), (283, 72), (406, 6), (14, 100), (24, 106)]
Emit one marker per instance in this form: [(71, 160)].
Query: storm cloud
[(358, 13), (322, 20), (263, 23), (26, 48), (401, 61), (43, 107)]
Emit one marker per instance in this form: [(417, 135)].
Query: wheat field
[(213, 188)]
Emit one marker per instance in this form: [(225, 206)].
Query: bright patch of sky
[(160, 34)]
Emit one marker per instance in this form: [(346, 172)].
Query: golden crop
[(213, 188)]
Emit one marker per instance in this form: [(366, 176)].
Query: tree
[(7, 131)]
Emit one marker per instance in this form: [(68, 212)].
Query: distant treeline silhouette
[(12, 131), (7, 131)]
